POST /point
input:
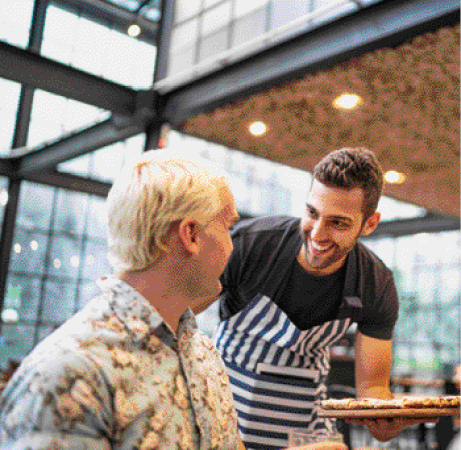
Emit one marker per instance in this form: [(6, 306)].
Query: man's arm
[(373, 358), (41, 407)]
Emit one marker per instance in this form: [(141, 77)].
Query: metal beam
[(7, 168), (70, 181), (31, 69), (430, 223), (120, 18), (7, 236), (77, 144), (387, 23)]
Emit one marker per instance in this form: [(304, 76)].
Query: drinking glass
[(297, 437)]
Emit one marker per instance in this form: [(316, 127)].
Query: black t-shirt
[(303, 285), (264, 262)]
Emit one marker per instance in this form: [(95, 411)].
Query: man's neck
[(152, 285)]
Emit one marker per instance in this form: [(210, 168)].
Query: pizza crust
[(407, 401)]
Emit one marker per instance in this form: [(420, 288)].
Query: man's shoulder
[(368, 260)]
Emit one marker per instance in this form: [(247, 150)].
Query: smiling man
[(292, 288)]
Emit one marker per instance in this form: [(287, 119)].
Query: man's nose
[(319, 231)]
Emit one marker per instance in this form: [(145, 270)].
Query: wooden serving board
[(410, 413)]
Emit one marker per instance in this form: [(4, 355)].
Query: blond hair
[(149, 197)]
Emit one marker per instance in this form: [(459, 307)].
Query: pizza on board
[(407, 401)]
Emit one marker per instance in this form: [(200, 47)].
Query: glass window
[(132, 61), (249, 27), (104, 164), (183, 47), (392, 209), (216, 19), (58, 301), (44, 331), (213, 44), (70, 211), (15, 21), (61, 29), (8, 111), (53, 116), (107, 162), (285, 11), (244, 7), (210, 3), (185, 9), (35, 206), (70, 39), (97, 219), (64, 257), (95, 260), (78, 166), (16, 342), (450, 285), (23, 294), (29, 251)]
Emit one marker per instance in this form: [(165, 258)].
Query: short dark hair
[(350, 168)]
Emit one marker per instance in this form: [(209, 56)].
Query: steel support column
[(19, 140)]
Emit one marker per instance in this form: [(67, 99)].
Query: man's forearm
[(382, 392)]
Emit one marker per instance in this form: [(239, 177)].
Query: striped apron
[(277, 371)]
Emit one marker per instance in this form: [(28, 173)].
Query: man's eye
[(340, 224)]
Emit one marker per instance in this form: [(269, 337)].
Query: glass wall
[(104, 164), (427, 271), (15, 21), (59, 245), (70, 38), (53, 116), (59, 249), (204, 30)]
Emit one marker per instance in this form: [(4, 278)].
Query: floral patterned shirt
[(116, 377)]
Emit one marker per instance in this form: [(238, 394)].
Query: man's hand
[(387, 429)]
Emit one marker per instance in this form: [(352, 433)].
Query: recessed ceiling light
[(347, 101), (257, 128), (134, 30), (10, 315), (394, 177)]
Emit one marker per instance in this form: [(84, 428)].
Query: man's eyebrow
[(343, 218), (334, 217)]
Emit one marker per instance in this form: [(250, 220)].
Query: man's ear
[(188, 234), (371, 223)]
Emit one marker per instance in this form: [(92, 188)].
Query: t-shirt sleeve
[(230, 301), (379, 321)]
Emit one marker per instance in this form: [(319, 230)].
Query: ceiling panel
[(409, 116)]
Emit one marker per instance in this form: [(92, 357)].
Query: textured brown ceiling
[(409, 117)]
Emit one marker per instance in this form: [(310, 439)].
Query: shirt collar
[(139, 317)]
